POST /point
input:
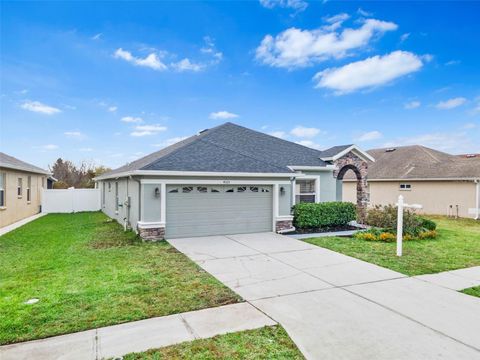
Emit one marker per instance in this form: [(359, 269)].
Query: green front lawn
[(474, 291), (265, 343), (457, 246), (88, 273)]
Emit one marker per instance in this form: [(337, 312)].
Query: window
[(213, 190), (264, 190), (241, 189), (20, 187), (43, 182), (174, 190), (305, 191), (230, 190), (254, 188), (3, 177), (187, 189), (116, 196), (29, 191), (405, 187), (202, 189)]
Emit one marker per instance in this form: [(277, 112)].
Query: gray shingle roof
[(419, 162), (9, 162), (334, 150), (228, 148)]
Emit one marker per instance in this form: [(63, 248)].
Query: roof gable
[(10, 162)]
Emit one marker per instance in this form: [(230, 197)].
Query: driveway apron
[(337, 307)]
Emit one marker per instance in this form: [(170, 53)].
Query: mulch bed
[(323, 230)]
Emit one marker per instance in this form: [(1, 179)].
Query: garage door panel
[(195, 213)]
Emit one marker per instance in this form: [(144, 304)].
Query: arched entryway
[(359, 168)]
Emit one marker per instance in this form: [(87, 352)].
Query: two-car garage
[(201, 210)]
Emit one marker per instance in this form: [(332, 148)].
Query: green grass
[(265, 343), (457, 246), (474, 291), (88, 273)]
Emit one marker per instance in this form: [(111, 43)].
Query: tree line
[(78, 176)]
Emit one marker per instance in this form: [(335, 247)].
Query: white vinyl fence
[(70, 200)]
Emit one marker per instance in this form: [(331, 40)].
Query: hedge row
[(323, 215)]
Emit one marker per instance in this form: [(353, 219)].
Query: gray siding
[(126, 187), (285, 200), (151, 205)]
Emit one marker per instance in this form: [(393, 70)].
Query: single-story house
[(21, 187), (226, 180), (442, 183)]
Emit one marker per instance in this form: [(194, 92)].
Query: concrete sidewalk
[(8, 228), (455, 279), (138, 336), (337, 307)]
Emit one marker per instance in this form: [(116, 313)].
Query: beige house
[(443, 184), (20, 189)]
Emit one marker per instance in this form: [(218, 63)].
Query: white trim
[(286, 230), (214, 182), (312, 168), (150, 224), (477, 202), (142, 203), (163, 203), (294, 186), (275, 210), (355, 149), (284, 217), (191, 173)]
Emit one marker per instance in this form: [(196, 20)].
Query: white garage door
[(201, 210)]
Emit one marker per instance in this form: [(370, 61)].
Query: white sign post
[(401, 205)]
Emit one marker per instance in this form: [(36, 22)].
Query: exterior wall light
[(157, 192), (282, 190)]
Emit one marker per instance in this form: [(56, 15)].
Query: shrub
[(428, 224), (367, 236), (323, 215), (388, 237), (386, 217), (427, 234)]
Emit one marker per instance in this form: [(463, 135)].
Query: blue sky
[(110, 82)]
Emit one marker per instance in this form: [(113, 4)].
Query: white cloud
[(452, 62), (309, 143), (211, 50), (97, 36), (50, 147), (470, 126), (368, 73), (298, 48), (404, 37), (132, 119), (364, 13), (187, 65), (74, 134), (278, 134), (170, 141), (151, 61), (37, 106), (85, 149), (145, 130), (305, 132), (222, 115), (412, 105), (369, 136), (112, 108), (451, 103), (298, 5)]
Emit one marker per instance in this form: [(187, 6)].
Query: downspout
[(139, 197), (477, 199)]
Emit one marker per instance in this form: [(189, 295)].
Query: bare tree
[(81, 176)]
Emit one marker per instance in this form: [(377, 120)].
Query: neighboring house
[(20, 189), (225, 180), (50, 181), (442, 183)]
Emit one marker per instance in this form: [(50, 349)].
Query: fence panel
[(70, 200)]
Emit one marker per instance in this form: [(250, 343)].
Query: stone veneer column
[(352, 162), (151, 233)]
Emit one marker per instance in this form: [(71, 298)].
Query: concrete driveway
[(337, 307)]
